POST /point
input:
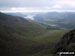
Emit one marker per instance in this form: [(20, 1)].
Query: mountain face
[(15, 33), (67, 43), (63, 20), (19, 23)]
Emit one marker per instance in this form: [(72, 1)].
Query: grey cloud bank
[(38, 4)]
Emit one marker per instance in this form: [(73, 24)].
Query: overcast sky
[(36, 5)]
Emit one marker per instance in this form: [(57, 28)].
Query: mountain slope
[(67, 42), (20, 24), (15, 35)]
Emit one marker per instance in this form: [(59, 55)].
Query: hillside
[(67, 42), (15, 33), (20, 24)]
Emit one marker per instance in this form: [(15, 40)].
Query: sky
[(36, 5)]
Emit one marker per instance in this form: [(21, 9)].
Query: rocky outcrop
[(67, 43)]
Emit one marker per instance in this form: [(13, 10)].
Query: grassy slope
[(51, 35), (39, 44), (47, 41), (16, 34)]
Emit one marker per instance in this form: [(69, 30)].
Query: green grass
[(36, 42), (48, 39), (51, 36)]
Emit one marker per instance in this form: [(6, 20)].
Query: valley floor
[(44, 44)]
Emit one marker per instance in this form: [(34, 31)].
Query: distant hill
[(16, 34), (57, 20), (63, 20)]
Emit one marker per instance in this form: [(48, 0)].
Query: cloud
[(26, 3), (65, 5), (57, 6), (14, 9), (67, 2), (30, 17), (23, 10), (36, 5)]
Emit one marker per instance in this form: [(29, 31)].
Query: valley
[(37, 27), (26, 37)]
